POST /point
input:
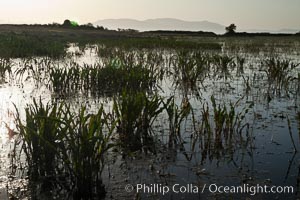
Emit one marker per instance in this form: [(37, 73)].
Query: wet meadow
[(82, 120)]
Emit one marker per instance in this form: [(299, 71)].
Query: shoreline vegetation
[(22, 40), (100, 30)]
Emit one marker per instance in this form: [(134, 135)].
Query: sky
[(246, 14)]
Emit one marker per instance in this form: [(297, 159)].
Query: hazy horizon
[(255, 14)]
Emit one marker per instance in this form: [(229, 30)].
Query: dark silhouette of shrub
[(230, 29), (100, 27), (87, 26), (67, 23)]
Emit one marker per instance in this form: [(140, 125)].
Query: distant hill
[(161, 24), (288, 31)]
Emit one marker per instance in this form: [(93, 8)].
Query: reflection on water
[(6, 123), (260, 153)]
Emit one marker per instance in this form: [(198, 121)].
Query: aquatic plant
[(134, 114), (38, 136), (176, 115), (5, 68), (280, 73), (222, 128), (240, 62), (142, 43), (34, 69), (223, 65), (97, 79), (84, 149), (63, 149), (65, 79), (190, 69), (246, 84)]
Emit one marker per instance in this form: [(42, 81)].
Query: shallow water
[(265, 156)]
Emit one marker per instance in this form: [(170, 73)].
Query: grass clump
[(279, 73), (190, 68), (64, 152), (176, 115), (98, 80), (222, 128), (65, 79), (134, 114), (223, 66)]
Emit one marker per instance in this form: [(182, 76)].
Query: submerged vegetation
[(143, 96)]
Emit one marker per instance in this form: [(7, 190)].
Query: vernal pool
[(199, 123)]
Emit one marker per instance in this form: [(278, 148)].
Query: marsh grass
[(33, 69), (84, 152), (134, 114), (223, 66), (110, 77), (22, 45), (223, 128), (64, 150), (66, 79), (5, 68), (176, 115), (240, 64), (97, 79), (38, 136), (280, 74), (141, 43), (191, 68)]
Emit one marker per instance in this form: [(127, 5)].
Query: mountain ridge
[(173, 24), (161, 24)]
